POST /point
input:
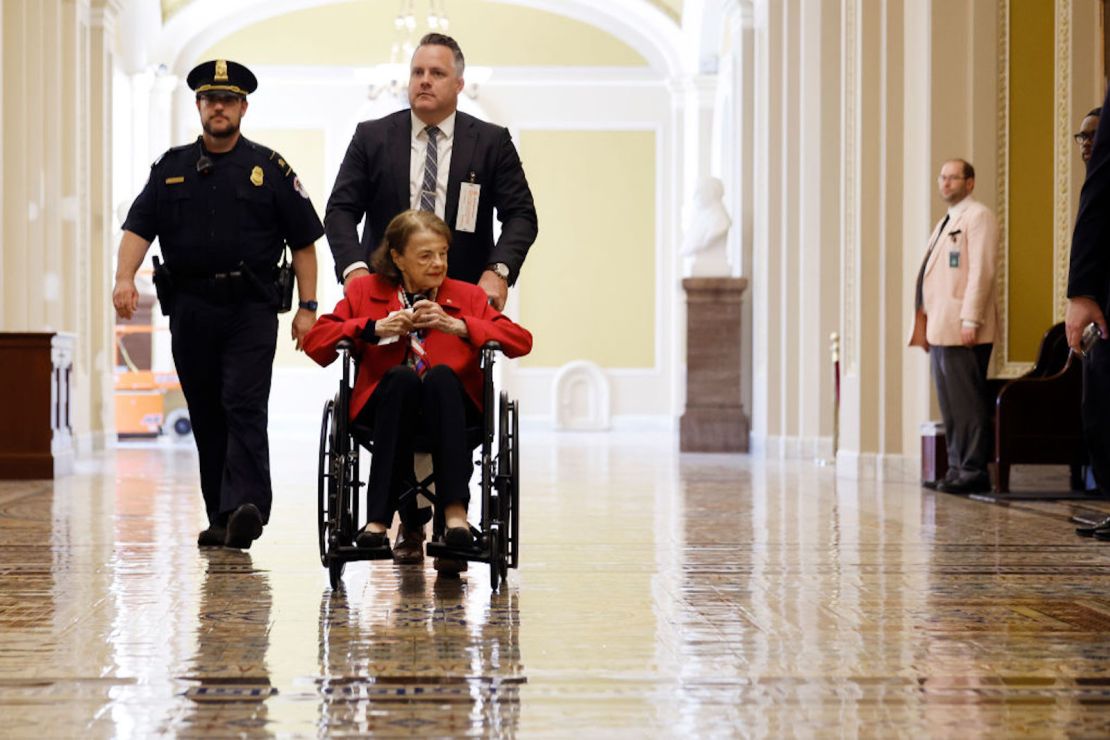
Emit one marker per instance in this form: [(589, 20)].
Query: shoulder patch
[(299, 187)]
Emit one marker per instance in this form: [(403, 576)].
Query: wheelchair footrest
[(473, 554), (348, 553)]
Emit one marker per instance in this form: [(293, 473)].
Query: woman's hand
[(430, 315), (400, 323)]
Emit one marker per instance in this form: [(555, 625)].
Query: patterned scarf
[(416, 356)]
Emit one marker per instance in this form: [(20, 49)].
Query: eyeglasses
[(950, 178), (1083, 137)]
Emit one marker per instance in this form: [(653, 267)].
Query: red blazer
[(374, 297)]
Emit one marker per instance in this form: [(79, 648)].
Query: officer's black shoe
[(214, 536), (244, 526), (1103, 535), (1093, 531)]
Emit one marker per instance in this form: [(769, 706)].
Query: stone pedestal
[(714, 420)]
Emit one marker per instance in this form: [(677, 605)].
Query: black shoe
[(458, 538), (1103, 535), (409, 548), (371, 540), (244, 526), (214, 536), (1093, 531), (975, 485)]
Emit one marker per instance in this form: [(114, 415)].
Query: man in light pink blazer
[(956, 321)]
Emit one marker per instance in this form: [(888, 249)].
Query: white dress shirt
[(418, 154), (955, 212)]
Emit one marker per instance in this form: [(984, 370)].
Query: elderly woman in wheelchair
[(418, 337)]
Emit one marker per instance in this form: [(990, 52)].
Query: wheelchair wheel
[(323, 476), (495, 555), (335, 573), (342, 483), (508, 475)]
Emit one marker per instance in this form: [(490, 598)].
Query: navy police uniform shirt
[(246, 208)]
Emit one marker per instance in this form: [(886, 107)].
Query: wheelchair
[(496, 540)]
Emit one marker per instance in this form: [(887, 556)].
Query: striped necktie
[(431, 172)]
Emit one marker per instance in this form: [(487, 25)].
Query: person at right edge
[(1088, 303), (955, 322), (433, 157)]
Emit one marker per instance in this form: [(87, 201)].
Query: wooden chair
[(1037, 416)]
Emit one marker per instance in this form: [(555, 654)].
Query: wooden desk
[(36, 432)]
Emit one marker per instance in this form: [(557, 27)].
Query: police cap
[(222, 75)]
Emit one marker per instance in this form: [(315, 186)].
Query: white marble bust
[(706, 239)]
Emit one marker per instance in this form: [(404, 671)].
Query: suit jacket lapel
[(941, 238), (399, 145), (462, 153)]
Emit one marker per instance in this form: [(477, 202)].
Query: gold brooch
[(256, 176)]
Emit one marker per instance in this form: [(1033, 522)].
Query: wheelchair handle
[(492, 345), (344, 345)]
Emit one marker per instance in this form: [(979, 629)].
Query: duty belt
[(222, 287)]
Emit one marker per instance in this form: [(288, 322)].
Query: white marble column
[(101, 248), (17, 204)]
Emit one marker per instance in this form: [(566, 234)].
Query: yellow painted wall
[(361, 33), (1032, 100), (588, 287), (304, 150), (672, 8)]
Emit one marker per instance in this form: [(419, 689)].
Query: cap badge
[(256, 176), (221, 70)]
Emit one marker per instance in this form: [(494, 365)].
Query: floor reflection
[(659, 595), (229, 679), (418, 654)]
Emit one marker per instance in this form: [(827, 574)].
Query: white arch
[(635, 22)]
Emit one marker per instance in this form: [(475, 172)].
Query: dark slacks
[(224, 353), (1096, 412), (408, 414), (960, 375)]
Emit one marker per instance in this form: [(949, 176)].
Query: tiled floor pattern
[(659, 595)]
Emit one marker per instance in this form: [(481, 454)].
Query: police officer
[(224, 208)]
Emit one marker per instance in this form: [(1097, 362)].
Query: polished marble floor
[(658, 595)]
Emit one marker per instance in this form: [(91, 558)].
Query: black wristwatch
[(309, 305)]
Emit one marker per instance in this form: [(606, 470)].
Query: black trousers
[(407, 414), (224, 353), (1096, 411), (960, 375)]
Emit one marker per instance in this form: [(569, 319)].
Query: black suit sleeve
[(1089, 274), (515, 209), (348, 204)]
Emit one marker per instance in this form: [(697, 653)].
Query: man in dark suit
[(432, 157), (1089, 302)]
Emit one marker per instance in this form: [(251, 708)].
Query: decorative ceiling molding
[(641, 24)]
